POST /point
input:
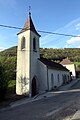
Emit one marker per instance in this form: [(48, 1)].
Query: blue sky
[(62, 16)]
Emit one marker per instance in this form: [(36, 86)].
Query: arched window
[(34, 44), (23, 43)]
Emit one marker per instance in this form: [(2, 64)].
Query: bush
[(3, 89), (3, 84), (7, 73)]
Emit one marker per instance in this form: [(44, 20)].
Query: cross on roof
[(29, 10)]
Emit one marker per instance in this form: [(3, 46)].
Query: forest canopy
[(54, 54)]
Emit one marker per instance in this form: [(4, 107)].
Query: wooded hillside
[(58, 54), (8, 62), (11, 52), (55, 54)]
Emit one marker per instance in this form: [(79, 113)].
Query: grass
[(10, 95), (77, 64), (11, 84)]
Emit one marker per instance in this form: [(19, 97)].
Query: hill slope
[(55, 54), (58, 54), (9, 52)]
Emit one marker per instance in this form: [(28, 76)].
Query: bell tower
[(27, 56)]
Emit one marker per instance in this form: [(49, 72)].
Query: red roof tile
[(29, 26), (53, 65), (65, 62)]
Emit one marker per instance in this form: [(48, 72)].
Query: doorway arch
[(34, 86)]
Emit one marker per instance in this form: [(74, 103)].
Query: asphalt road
[(52, 108)]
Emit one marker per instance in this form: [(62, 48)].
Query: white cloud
[(66, 46), (71, 26), (73, 40), (56, 40), (2, 48), (46, 39), (78, 46), (77, 26)]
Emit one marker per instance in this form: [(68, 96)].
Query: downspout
[(47, 80)]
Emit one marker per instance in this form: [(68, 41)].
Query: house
[(70, 66), (35, 74)]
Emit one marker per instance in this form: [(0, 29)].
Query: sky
[(57, 16)]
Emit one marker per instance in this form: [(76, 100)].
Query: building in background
[(70, 66)]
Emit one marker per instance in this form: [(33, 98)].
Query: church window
[(52, 77), (34, 44), (23, 43), (52, 81), (58, 78)]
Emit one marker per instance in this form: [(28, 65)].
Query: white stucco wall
[(42, 76), (26, 63), (34, 55), (23, 65), (56, 82), (71, 68)]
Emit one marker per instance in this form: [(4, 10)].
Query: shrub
[(3, 84)]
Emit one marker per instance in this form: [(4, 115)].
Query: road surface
[(58, 107)]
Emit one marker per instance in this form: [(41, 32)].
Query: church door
[(33, 86)]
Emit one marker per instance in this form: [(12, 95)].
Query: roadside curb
[(66, 87), (40, 94), (76, 116)]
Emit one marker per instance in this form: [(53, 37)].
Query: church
[(34, 74)]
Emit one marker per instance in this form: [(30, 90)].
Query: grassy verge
[(77, 64), (11, 84)]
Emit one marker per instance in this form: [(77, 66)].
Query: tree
[(3, 83), (7, 73)]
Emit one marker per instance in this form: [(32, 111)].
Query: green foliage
[(11, 84), (3, 83), (58, 54), (55, 54), (11, 52), (77, 65), (8, 63), (7, 72)]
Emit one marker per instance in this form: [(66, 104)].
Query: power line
[(8, 26), (59, 34), (47, 32)]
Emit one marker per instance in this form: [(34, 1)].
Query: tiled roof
[(65, 62), (53, 65), (29, 26)]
